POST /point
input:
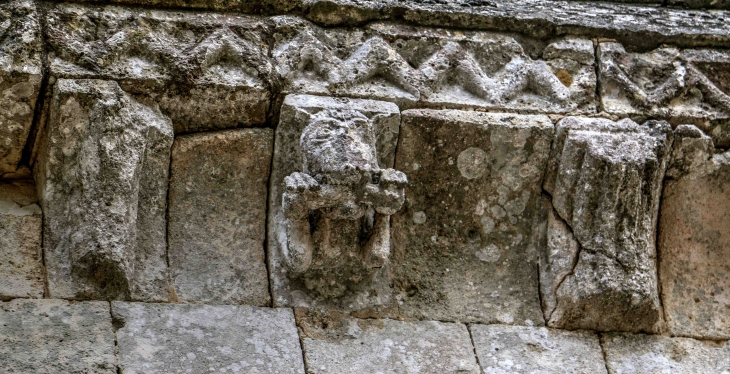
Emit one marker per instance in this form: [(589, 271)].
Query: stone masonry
[(380, 186)]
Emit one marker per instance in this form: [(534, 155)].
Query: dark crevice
[(267, 217), (301, 342), (603, 351), (117, 323), (474, 347)]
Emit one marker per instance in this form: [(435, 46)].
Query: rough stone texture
[(532, 350), (605, 179), (334, 343), (20, 78), (435, 67), (682, 86), (169, 338), (21, 268), (217, 216), (464, 246), (337, 269), (653, 354), (694, 238), (56, 336), (205, 71), (102, 177)]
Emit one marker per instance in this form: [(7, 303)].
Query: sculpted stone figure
[(340, 181)]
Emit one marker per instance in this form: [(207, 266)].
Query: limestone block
[(526, 350), (20, 78), (694, 238), (205, 71), (681, 86), (176, 338), (102, 177), (465, 245), (654, 354), (331, 196), (217, 216), (599, 263), (21, 267), (56, 336), (334, 343), (435, 67)]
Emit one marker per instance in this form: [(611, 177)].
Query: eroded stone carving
[(694, 238), (598, 267), (206, 71), (333, 192), (679, 85), (20, 78), (102, 177)]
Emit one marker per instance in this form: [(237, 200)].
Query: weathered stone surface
[(464, 247), (334, 343), (653, 354), (435, 67), (205, 71), (598, 266), (56, 336), (694, 238), (21, 268), (20, 78), (683, 86), (170, 338), (519, 349), (217, 216), (332, 194), (102, 177)]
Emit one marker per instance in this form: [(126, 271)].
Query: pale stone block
[(694, 238), (102, 177), (56, 336), (21, 267), (338, 344), (465, 245), (175, 338), (654, 354), (217, 216), (528, 350)]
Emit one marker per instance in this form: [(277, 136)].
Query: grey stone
[(170, 338), (333, 250), (56, 336), (21, 267), (334, 343), (654, 354), (599, 263), (20, 78), (682, 86), (205, 71), (102, 177), (536, 350), (694, 240), (217, 216), (465, 245)]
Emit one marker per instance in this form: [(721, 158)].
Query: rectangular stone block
[(175, 338), (20, 78), (340, 146), (334, 343), (102, 175), (598, 264), (525, 349), (655, 354), (435, 67), (205, 71), (56, 336), (465, 244), (217, 216), (694, 238), (679, 85), (21, 260)]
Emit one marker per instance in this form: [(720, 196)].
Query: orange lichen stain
[(564, 77)]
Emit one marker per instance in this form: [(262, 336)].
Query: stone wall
[(335, 186)]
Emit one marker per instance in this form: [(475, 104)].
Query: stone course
[(335, 186)]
